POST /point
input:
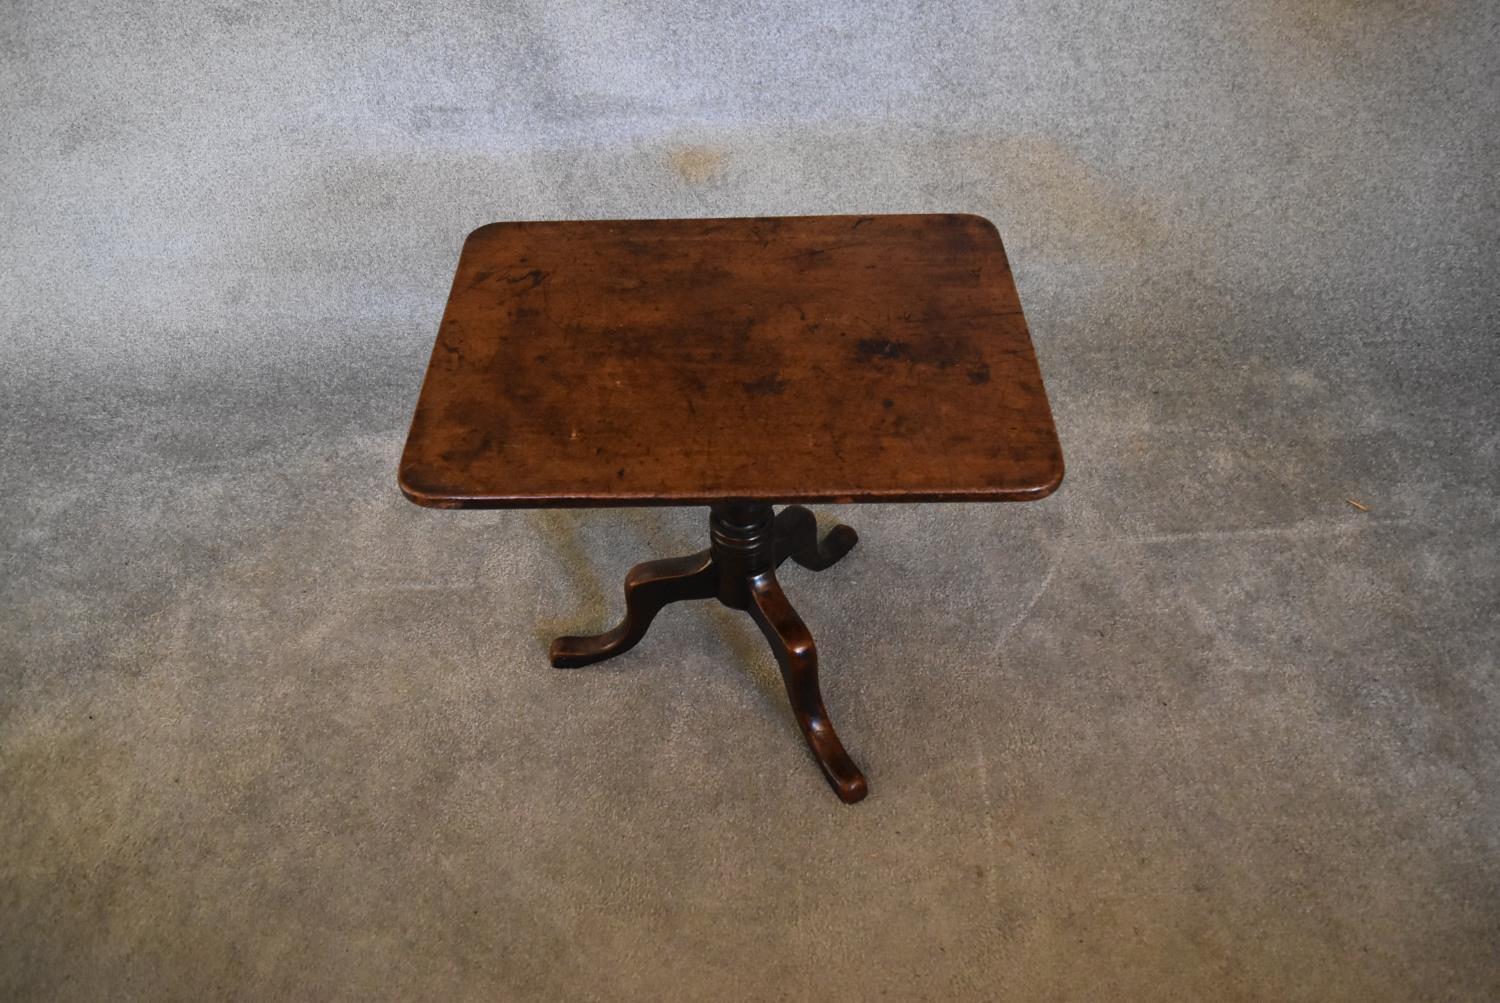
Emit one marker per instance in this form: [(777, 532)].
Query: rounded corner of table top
[(974, 219), (419, 492), (1048, 484), (479, 233)]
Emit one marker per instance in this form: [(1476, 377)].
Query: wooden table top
[(671, 362)]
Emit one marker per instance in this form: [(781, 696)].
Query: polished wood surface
[(746, 546), (822, 358), (737, 363)]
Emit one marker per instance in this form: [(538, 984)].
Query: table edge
[(984, 221), (442, 500)]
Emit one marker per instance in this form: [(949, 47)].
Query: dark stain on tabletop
[(938, 352), (870, 349), (471, 445), (770, 385), (536, 276)]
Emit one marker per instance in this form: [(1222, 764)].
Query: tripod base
[(747, 544)]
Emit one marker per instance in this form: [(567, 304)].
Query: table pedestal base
[(747, 544)]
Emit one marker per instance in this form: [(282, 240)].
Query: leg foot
[(648, 587), (797, 538), (792, 644)]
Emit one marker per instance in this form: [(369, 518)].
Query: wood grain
[(820, 358)]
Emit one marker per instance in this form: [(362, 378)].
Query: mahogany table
[(734, 363)]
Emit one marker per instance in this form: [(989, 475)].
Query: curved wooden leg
[(797, 538), (648, 587), (798, 657)]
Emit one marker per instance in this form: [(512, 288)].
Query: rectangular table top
[(780, 359)]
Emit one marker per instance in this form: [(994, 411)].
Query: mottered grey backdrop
[(1195, 726)]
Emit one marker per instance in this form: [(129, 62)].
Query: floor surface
[(1196, 727)]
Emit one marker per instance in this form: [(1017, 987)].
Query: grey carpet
[(1195, 727)]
